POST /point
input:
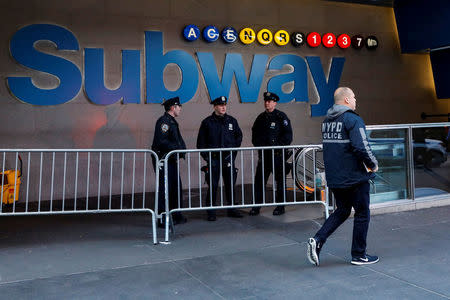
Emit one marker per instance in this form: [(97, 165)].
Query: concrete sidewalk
[(263, 257)]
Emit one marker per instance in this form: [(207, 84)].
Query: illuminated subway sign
[(281, 37), (70, 77)]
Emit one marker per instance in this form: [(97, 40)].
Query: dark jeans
[(357, 197), (261, 182), (213, 184), (174, 188)]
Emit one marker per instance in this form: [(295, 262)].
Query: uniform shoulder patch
[(285, 122), (164, 127)]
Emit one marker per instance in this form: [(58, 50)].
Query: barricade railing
[(78, 181), (301, 168)]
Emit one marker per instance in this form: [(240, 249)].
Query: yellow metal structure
[(8, 186), (10, 180)]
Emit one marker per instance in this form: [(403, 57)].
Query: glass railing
[(431, 147), (413, 161)]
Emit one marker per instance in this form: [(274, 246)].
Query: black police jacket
[(219, 132), (167, 136), (272, 129), (346, 149)]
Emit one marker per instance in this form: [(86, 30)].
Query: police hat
[(172, 101), (271, 96), (219, 100)]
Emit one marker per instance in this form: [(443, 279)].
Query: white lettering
[(372, 43), (230, 35), (212, 33), (332, 136), (192, 33), (332, 126)]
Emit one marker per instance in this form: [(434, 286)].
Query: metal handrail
[(406, 126)]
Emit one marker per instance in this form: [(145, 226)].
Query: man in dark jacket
[(271, 128), (349, 164), (220, 130), (167, 138)]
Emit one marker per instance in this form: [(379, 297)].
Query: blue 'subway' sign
[(70, 77)]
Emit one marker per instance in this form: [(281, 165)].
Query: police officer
[(349, 165), (271, 128), (167, 138), (220, 130)]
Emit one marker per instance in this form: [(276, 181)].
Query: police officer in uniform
[(349, 165), (167, 138), (220, 130), (271, 128)]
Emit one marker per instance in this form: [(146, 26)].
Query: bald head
[(341, 93), (345, 96)]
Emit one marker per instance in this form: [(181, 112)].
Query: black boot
[(234, 213), (178, 218), (279, 210), (254, 211), (211, 215)]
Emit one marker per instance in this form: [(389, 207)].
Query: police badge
[(164, 128)]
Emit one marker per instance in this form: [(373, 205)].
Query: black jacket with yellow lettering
[(345, 148)]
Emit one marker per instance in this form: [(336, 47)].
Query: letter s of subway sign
[(156, 59)]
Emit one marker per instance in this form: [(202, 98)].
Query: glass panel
[(391, 181), (431, 161)]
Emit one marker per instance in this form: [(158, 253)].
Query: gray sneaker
[(365, 260), (313, 251)]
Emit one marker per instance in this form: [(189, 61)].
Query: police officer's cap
[(271, 96), (219, 100), (172, 101)]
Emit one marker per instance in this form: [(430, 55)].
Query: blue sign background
[(210, 33), (191, 33), (229, 34)]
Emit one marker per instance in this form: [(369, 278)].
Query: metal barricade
[(78, 181), (305, 184)]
